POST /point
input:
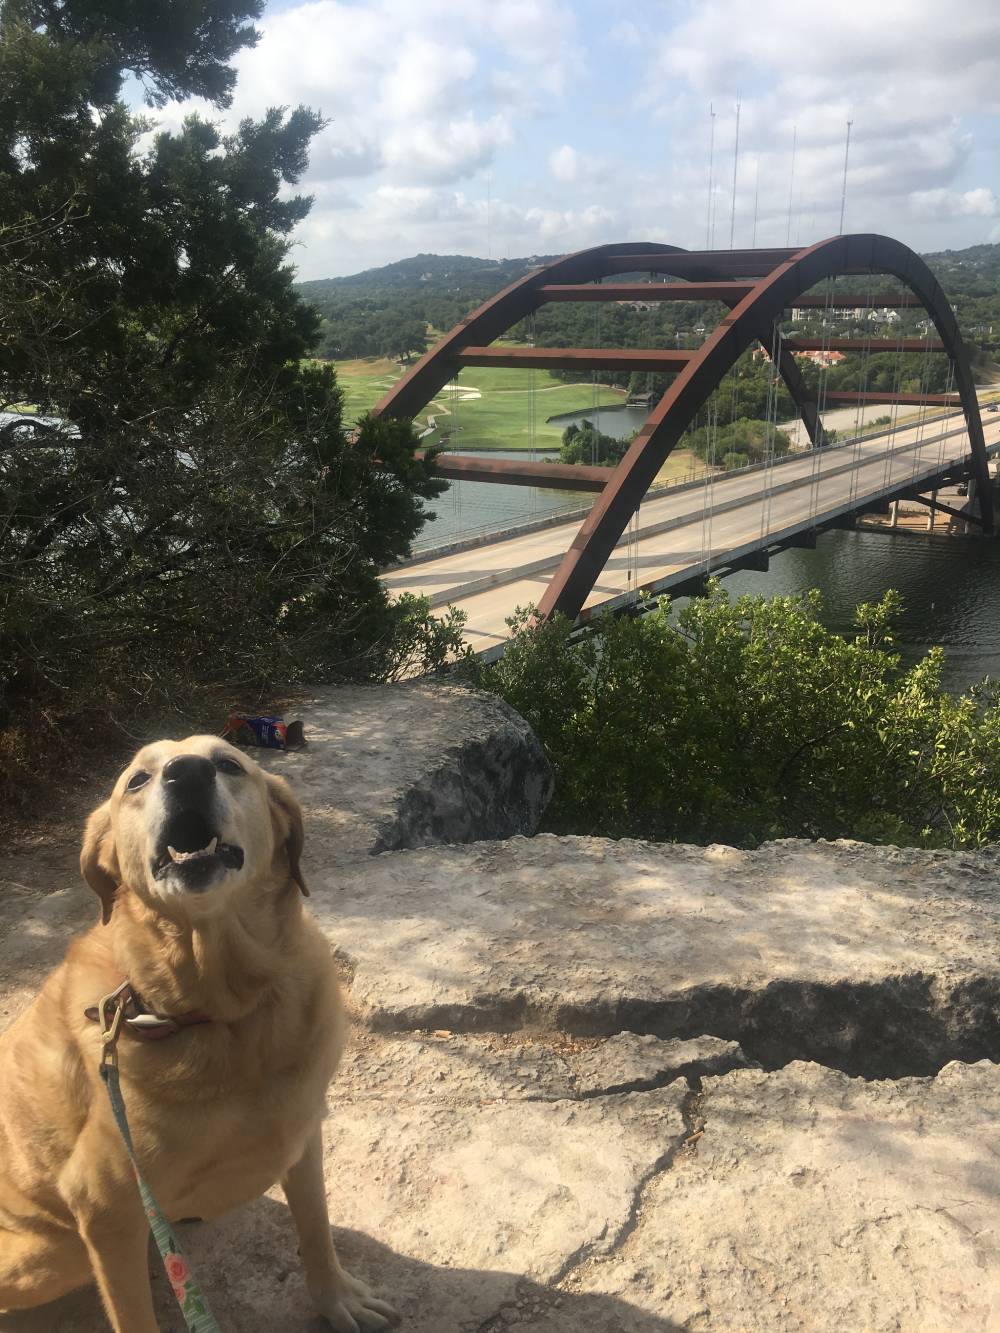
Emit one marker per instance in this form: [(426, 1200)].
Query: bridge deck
[(689, 529)]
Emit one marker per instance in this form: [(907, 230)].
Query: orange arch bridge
[(758, 286)]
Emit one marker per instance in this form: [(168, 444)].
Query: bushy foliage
[(741, 721), (753, 441), (584, 443), (733, 460), (181, 507)]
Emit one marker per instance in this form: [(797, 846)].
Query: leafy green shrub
[(756, 440), (741, 721), (584, 443)]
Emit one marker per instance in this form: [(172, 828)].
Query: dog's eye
[(228, 766), (136, 781)]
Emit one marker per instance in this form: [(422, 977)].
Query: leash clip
[(111, 1025)]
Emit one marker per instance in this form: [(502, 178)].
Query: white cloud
[(440, 153), (980, 203), (426, 90), (332, 158), (907, 78), (571, 167), (572, 227)]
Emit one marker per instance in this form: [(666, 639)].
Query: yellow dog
[(233, 1030)]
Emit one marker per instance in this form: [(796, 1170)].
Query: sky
[(517, 127)]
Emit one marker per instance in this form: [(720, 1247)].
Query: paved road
[(689, 528)]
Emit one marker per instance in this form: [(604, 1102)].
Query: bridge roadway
[(689, 529)]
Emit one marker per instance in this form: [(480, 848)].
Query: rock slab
[(819, 1202), (388, 766), (878, 961), (412, 765), (546, 1122)]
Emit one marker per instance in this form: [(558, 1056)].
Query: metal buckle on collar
[(111, 1026), (129, 1014)]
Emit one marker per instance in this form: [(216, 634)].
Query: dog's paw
[(351, 1307)]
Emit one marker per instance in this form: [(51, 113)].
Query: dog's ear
[(99, 859), (286, 813)]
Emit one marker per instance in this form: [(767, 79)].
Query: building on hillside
[(821, 357)]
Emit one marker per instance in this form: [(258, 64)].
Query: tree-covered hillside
[(388, 311), (971, 279)]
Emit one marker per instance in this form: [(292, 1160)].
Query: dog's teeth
[(179, 857)]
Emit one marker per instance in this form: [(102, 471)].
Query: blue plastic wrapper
[(246, 729)]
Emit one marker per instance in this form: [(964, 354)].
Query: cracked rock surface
[(817, 1201), (878, 961), (798, 1200)]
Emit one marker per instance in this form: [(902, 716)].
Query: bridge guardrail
[(499, 577)]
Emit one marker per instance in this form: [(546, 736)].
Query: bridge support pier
[(894, 522), (757, 561)]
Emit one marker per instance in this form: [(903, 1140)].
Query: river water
[(618, 421), (950, 586)]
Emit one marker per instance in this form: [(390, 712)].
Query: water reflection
[(619, 422)]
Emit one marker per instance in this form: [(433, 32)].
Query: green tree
[(585, 444), (185, 509), (755, 441), (401, 338), (747, 720)]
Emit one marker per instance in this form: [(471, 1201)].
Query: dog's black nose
[(189, 775)]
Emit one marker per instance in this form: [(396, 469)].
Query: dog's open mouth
[(190, 846)]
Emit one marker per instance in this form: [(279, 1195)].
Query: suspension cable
[(897, 388), (533, 490), (770, 431)]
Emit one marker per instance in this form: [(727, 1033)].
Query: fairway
[(364, 383), (497, 408), (493, 408)]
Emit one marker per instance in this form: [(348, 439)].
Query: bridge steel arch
[(781, 278)]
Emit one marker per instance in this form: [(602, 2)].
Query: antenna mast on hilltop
[(736, 158), (791, 187), (843, 192), (711, 163)]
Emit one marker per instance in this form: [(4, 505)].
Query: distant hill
[(387, 311), (432, 272), (972, 272), (391, 310)]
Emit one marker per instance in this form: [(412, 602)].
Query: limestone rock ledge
[(417, 764), (795, 1201), (878, 961), (385, 767)]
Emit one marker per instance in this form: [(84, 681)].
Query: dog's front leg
[(99, 1187), (342, 1299)]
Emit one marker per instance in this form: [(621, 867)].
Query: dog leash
[(187, 1293)]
